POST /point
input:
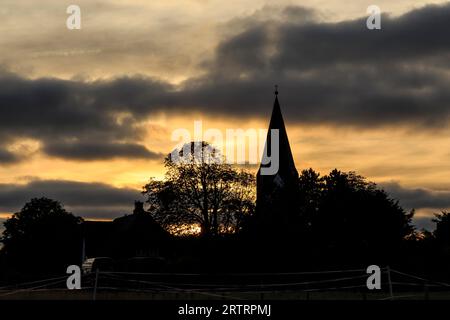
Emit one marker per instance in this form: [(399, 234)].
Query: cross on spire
[(276, 89)]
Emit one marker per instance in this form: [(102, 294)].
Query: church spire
[(276, 194), (286, 161)]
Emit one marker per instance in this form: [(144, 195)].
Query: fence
[(334, 284)]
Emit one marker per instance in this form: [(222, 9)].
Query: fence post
[(391, 294), (427, 291), (94, 297)]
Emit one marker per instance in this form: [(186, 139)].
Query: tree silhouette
[(201, 189), (442, 231), (311, 187), (344, 210), (42, 237)]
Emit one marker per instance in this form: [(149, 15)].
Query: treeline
[(337, 219)]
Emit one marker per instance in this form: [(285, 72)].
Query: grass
[(87, 294)]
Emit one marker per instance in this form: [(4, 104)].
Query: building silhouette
[(277, 193), (132, 235)]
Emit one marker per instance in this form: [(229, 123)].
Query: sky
[(87, 115)]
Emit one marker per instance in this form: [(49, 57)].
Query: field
[(64, 294), (315, 285)]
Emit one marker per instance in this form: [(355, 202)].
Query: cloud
[(412, 36), (424, 223), (418, 198), (96, 151), (7, 157), (49, 108), (91, 200), (426, 202), (336, 73), (340, 74), (66, 116)]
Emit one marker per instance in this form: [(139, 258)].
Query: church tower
[(277, 192)]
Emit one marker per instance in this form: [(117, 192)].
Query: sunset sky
[(87, 115)]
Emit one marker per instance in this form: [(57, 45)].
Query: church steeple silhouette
[(277, 193)]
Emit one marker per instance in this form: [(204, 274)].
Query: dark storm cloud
[(7, 157), (95, 200), (97, 150), (329, 73), (339, 96), (246, 51), (55, 108), (420, 34), (47, 107), (419, 198), (336, 73), (55, 111)]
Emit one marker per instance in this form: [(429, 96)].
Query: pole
[(391, 294), (427, 291), (95, 285)]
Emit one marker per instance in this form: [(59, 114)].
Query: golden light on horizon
[(378, 154)]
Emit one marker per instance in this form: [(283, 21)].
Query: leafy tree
[(42, 237), (347, 211), (311, 187), (442, 231), (201, 189)]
